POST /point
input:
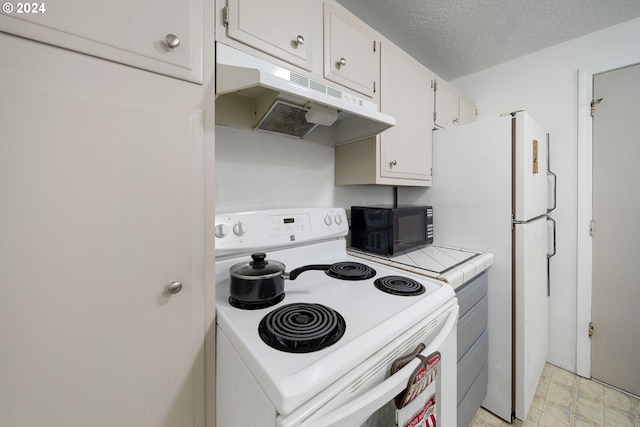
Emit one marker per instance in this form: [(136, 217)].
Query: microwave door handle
[(360, 408)]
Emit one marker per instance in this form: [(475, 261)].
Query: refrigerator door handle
[(552, 177), (549, 255)]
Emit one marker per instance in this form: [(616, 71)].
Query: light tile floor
[(564, 399)]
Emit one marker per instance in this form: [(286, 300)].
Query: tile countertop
[(452, 265)]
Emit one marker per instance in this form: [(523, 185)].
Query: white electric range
[(345, 383)]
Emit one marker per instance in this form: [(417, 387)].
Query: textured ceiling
[(454, 38)]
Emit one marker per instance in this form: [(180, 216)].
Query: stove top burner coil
[(351, 271), (302, 328), (399, 285)]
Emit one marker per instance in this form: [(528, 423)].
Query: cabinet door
[(446, 105), (467, 110), (405, 94), (100, 209), (286, 35), (131, 33), (351, 53)]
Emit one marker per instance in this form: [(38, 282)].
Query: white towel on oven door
[(417, 405)]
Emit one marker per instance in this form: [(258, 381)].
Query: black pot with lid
[(258, 283)]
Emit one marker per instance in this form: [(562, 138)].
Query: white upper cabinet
[(467, 110), (322, 39), (406, 94), (451, 108), (163, 36), (281, 28), (351, 53), (446, 104), (401, 155)]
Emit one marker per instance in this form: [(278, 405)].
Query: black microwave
[(391, 230)]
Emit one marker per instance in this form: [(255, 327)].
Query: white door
[(531, 184), (531, 311), (99, 212), (615, 344)]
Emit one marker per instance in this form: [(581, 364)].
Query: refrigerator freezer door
[(530, 168), (531, 312)]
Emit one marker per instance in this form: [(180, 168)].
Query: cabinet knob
[(172, 41), (174, 287), (342, 62), (299, 40), (393, 163)]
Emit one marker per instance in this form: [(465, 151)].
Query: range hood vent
[(254, 93), (287, 119)]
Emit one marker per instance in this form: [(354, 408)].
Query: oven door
[(365, 396)]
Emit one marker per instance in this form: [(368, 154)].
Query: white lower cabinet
[(401, 155), (102, 188), (473, 347)]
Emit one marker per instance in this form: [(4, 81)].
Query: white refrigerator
[(491, 193)]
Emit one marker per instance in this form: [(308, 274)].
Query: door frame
[(585, 213)]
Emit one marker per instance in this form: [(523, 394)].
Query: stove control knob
[(240, 228), (327, 220), (221, 230), (338, 219)]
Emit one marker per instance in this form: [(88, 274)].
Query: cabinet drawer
[(471, 326), (471, 292), (470, 403), (471, 364)]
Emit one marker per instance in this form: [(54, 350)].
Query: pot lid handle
[(258, 260)]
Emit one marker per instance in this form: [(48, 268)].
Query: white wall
[(258, 170), (546, 85)]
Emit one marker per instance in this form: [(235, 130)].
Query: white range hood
[(254, 93)]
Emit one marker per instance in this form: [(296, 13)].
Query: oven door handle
[(360, 408)]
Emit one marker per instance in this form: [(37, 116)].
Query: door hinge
[(593, 105), (375, 45), (435, 116), (374, 87), (225, 16), (590, 329), (592, 228), (434, 85)]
